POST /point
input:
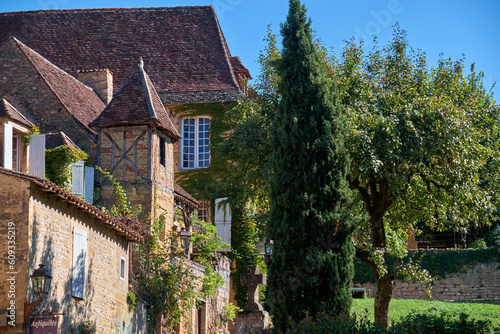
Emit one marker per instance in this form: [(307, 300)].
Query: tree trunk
[(377, 202), (385, 284)]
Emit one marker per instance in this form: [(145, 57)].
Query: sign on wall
[(44, 325)]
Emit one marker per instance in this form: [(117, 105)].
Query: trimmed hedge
[(438, 263)]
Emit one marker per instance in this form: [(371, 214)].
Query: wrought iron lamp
[(185, 236)]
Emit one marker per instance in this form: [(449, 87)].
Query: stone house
[(85, 251), (185, 55), (57, 72)]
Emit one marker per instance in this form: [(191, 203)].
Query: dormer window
[(195, 142)]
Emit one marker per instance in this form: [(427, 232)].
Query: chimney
[(101, 81)]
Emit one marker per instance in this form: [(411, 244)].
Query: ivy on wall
[(437, 263), (213, 182), (58, 164)]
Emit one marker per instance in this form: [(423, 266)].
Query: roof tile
[(184, 47), (137, 103), (80, 100), (8, 110)]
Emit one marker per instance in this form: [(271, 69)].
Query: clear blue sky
[(451, 27)]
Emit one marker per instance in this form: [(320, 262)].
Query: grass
[(401, 307)]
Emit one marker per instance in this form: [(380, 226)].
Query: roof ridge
[(225, 48), (108, 9), (147, 93)]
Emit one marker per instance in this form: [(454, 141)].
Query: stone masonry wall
[(52, 223), (14, 196), (481, 281)]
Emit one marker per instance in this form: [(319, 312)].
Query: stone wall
[(48, 229), (481, 281), (14, 212)]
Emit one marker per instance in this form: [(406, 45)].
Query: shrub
[(433, 322), (84, 327), (429, 322), (330, 323), (479, 243)]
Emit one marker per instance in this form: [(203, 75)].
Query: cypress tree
[(311, 264)]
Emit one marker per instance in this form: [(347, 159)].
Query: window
[(123, 263), (79, 259), (195, 141), (16, 152), (162, 152), (222, 220)]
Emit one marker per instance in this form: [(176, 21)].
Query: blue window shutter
[(37, 155), (77, 179), (7, 146), (79, 261), (89, 184)]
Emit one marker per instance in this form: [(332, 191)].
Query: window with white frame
[(195, 142), (123, 263)]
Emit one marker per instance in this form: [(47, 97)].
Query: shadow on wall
[(59, 301)]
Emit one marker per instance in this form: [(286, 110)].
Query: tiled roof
[(184, 196), (239, 67), (183, 47), (8, 110), (79, 100), (56, 139), (137, 103), (80, 204)]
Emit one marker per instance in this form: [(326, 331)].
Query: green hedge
[(438, 263)]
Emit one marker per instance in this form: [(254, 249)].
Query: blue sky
[(451, 27)]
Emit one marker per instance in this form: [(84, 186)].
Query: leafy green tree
[(423, 143), (311, 263)]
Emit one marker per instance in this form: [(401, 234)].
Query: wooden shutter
[(89, 184), (7, 146), (222, 219), (79, 262), (78, 179), (37, 156)]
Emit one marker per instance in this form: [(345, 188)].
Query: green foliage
[(332, 323), (436, 263), (172, 285), (124, 208), (427, 322), (131, 301), (84, 327), (58, 164), (27, 136), (309, 223), (434, 322), (400, 308), (495, 238), (478, 243)]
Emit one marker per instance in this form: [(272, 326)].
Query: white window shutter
[(37, 155), (77, 179), (7, 146), (222, 219), (89, 184), (79, 261)]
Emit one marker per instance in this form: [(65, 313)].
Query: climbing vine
[(436, 263), (170, 281), (27, 136), (58, 164)]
